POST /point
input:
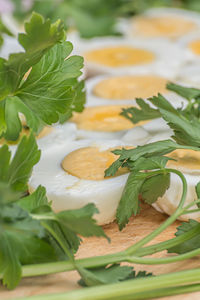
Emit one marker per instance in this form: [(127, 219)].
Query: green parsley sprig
[(51, 90)]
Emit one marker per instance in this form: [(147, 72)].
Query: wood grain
[(138, 227)]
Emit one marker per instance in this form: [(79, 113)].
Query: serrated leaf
[(47, 92), (35, 200), (17, 171), (155, 187), (189, 245), (152, 163), (186, 131), (104, 275), (35, 45), (185, 92), (129, 202), (144, 112), (80, 221)]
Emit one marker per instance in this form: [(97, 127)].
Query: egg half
[(188, 162), (73, 175)]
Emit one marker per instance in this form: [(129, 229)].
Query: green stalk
[(168, 222), (164, 260), (130, 289), (169, 243), (151, 294)]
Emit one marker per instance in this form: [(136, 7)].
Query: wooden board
[(138, 227)]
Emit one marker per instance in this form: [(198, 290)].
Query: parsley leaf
[(144, 112), (129, 202), (189, 245), (80, 221), (146, 151), (104, 275), (51, 89), (155, 187), (186, 130), (35, 45), (185, 92), (17, 171)]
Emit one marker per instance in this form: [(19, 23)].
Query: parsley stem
[(164, 260), (169, 243), (132, 289), (190, 211), (169, 221)]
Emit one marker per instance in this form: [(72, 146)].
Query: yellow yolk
[(163, 26), (103, 118), (25, 131), (189, 159), (130, 87), (195, 47), (119, 56), (90, 163)]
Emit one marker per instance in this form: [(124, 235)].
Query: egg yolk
[(195, 47), (187, 158), (120, 56), (130, 87), (163, 26), (90, 163), (25, 131), (103, 118)]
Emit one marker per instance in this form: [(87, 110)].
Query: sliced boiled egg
[(124, 89), (118, 55), (188, 162), (164, 23), (105, 122), (73, 175)]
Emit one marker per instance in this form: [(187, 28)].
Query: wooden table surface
[(138, 227)]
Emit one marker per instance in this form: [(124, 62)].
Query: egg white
[(170, 200), (184, 42), (190, 74), (69, 192)]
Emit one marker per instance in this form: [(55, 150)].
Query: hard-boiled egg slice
[(188, 162), (124, 89), (116, 56), (164, 23), (105, 122), (73, 175)]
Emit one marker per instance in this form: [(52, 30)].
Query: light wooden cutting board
[(138, 227)]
